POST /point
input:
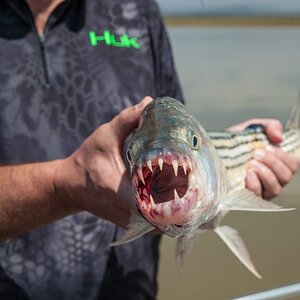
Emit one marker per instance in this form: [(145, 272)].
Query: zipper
[(41, 38)]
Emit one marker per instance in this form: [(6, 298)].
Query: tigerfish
[(186, 179)]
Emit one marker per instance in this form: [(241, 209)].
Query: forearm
[(29, 197), (92, 179)]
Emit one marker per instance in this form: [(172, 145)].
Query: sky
[(186, 7)]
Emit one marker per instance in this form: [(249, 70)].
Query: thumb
[(127, 120)]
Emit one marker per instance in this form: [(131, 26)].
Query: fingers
[(269, 185), (270, 170), (290, 161), (128, 119), (282, 164), (253, 182), (273, 128)]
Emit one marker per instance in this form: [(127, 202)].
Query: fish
[(186, 179)]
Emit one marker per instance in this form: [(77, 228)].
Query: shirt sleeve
[(166, 79)]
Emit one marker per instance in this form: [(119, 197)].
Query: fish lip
[(175, 210)]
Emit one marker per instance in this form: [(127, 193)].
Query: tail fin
[(294, 119)]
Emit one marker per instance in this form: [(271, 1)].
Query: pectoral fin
[(232, 239), (137, 227), (246, 200)]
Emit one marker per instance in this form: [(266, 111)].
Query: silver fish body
[(185, 179), (169, 169)]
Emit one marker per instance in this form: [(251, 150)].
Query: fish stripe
[(236, 149), (235, 145)]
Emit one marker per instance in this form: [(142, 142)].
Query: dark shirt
[(95, 58)]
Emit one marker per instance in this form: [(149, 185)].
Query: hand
[(271, 168), (94, 177)]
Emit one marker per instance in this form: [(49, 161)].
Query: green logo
[(110, 39)]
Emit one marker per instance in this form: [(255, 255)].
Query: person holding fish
[(73, 74)]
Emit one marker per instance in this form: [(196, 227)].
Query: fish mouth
[(166, 188)]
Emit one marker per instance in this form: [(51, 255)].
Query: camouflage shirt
[(95, 58)]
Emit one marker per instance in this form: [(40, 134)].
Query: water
[(230, 75)]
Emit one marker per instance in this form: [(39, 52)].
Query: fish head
[(174, 169)]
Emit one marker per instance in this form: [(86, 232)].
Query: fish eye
[(195, 141), (129, 158)]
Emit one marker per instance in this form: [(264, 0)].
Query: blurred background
[(236, 60)]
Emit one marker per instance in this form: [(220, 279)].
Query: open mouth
[(165, 188)]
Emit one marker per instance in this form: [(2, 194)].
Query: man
[(67, 67)]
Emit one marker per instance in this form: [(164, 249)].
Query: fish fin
[(294, 119), (245, 200), (184, 247), (233, 240), (137, 227)]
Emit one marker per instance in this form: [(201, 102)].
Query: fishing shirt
[(95, 58)]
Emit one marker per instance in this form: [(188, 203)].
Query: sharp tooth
[(149, 164), (190, 165), (176, 196), (141, 176), (160, 163), (175, 166), (153, 205), (184, 167)]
